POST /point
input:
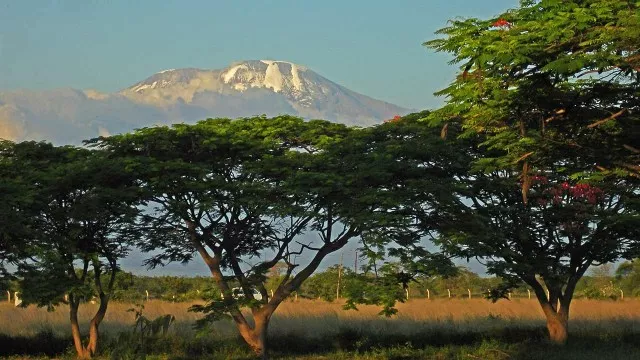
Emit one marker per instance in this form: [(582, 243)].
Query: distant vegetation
[(603, 283)]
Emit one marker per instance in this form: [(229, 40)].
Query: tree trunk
[(86, 352), (81, 351), (555, 309), (95, 323), (256, 337), (557, 324)]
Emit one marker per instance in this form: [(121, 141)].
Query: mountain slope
[(186, 95)]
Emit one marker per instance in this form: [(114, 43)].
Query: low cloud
[(103, 132)]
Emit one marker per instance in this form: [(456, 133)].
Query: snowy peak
[(276, 75), (295, 82), (163, 79), (245, 88), (293, 88)]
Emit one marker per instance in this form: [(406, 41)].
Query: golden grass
[(311, 318)]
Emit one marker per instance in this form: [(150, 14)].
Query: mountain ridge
[(244, 88)]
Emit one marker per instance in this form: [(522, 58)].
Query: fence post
[(272, 293), (339, 276), (509, 295), (428, 295), (296, 296), (8, 296), (449, 291), (16, 300), (529, 292), (469, 290), (147, 292), (407, 292), (548, 296), (621, 294)]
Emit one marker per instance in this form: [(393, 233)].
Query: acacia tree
[(550, 241), (250, 193), (546, 91), (80, 207)]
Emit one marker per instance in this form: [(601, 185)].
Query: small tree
[(324, 285), (628, 277), (82, 204)]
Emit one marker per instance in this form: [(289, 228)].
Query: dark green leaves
[(548, 82)]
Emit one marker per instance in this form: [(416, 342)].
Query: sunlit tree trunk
[(556, 310), (81, 351), (95, 324), (256, 337), (557, 325)]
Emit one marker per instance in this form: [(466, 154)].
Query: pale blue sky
[(372, 47)]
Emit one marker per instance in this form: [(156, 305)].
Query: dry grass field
[(439, 323), (313, 317)]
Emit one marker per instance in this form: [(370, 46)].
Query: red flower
[(395, 119), (539, 179), (501, 23)]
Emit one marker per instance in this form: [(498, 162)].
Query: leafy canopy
[(550, 76), (75, 208)]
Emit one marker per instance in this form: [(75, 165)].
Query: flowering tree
[(549, 242), (547, 99), (549, 76)]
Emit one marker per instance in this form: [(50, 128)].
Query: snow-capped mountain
[(186, 95)]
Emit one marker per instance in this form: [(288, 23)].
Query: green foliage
[(564, 228), (75, 208), (146, 334), (241, 193), (627, 277), (323, 285), (133, 288), (15, 209), (384, 288), (420, 167), (547, 98), (549, 77)]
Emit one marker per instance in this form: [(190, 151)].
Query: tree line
[(531, 167), (338, 282)]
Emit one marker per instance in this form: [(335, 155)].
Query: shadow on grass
[(508, 342), (44, 343)]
